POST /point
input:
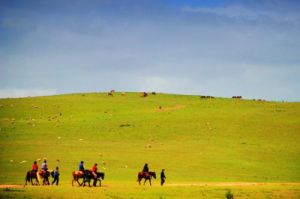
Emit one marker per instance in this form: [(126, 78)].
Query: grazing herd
[(145, 94)]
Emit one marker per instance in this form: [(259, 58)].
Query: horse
[(76, 176), (31, 175), (88, 176), (146, 176), (45, 176)]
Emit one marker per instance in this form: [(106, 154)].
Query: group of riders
[(45, 173), (94, 169)]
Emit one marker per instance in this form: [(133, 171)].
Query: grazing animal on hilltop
[(237, 97), (144, 94), (206, 97), (146, 176)]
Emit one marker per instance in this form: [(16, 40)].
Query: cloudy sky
[(202, 47)]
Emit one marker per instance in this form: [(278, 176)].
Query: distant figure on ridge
[(162, 177)]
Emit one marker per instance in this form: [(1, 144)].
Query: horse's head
[(101, 175), (51, 173), (153, 174)]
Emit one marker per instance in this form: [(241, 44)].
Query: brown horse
[(76, 176), (146, 176), (44, 175), (31, 175)]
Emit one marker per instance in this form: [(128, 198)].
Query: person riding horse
[(44, 172), (81, 167), (94, 170), (44, 166), (146, 168), (35, 167)]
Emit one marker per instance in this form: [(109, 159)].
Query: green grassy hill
[(194, 140)]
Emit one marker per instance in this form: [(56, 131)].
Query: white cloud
[(238, 11)]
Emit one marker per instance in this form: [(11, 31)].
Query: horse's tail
[(28, 176), (139, 176)]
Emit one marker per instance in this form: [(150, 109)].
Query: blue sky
[(209, 47)]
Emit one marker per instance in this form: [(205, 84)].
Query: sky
[(199, 47)]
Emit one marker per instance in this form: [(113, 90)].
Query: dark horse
[(88, 176), (31, 175), (146, 176)]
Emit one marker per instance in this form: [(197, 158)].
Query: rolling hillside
[(193, 139)]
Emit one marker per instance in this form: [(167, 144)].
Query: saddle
[(43, 173), (79, 173)]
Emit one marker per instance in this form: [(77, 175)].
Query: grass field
[(194, 140)]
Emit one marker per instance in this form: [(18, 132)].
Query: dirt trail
[(231, 184), (199, 184), (3, 186)]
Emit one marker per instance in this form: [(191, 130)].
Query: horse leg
[(31, 181), (150, 181), (145, 181), (80, 184), (99, 183), (25, 181)]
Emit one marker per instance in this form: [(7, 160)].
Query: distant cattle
[(111, 93), (237, 97), (260, 100), (153, 93), (123, 94), (206, 97), (144, 94)]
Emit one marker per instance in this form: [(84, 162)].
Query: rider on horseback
[(35, 167), (94, 170), (44, 166), (44, 172), (146, 168), (81, 167)]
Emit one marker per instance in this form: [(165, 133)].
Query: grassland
[(212, 140)]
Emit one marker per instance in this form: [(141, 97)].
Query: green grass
[(131, 190), (214, 140)]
